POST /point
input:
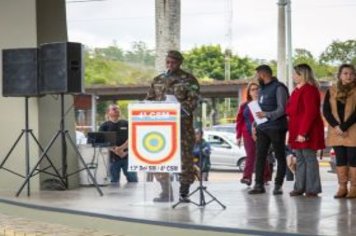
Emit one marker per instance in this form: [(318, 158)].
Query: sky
[(315, 24)]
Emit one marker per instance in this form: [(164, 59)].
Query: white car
[(225, 153), (229, 128)]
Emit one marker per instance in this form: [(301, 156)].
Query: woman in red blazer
[(244, 123), (306, 131)]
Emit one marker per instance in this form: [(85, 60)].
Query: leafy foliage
[(320, 70), (209, 61), (112, 53), (107, 66), (112, 65), (340, 52), (140, 54)]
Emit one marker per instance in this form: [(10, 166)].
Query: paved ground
[(13, 226), (281, 217)]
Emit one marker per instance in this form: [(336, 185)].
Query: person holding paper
[(306, 131), (244, 123), (272, 99), (185, 88)]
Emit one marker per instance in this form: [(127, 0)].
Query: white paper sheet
[(255, 107)]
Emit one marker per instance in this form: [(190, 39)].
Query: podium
[(154, 139)]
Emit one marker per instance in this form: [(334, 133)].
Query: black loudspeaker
[(20, 72), (61, 68)]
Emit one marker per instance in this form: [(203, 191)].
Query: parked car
[(230, 128), (225, 153)]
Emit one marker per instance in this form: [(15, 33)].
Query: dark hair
[(175, 55), (264, 68), (343, 66)]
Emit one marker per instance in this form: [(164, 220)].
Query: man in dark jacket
[(273, 97)]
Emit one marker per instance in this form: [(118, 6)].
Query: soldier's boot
[(352, 192), (342, 177), (167, 192), (184, 192)]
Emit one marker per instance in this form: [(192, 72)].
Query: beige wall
[(28, 23), (52, 27), (18, 29)]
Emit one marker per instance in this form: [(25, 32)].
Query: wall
[(28, 23), (18, 30)]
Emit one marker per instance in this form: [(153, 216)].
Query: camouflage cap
[(175, 55)]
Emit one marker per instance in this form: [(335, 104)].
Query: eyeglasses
[(254, 89)]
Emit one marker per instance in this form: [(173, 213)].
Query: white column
[(281, 57), (289, 45), (167, 29)]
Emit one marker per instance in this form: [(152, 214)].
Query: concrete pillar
[(281, 57), (52, 27), (167, 29), (289, 45)]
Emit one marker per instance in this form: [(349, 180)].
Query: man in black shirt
[(119, 153)]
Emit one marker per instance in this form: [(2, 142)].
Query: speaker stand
[(64, 134), (27, 133)]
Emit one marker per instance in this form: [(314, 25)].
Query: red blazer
[(303, 110), (241, 126)]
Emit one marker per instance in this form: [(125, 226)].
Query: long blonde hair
[(306, 72)]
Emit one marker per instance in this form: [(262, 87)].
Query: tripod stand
[(27, 133), (64, 134), (97, 162), (201, 189)]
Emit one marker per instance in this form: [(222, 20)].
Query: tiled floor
[(262, 213)]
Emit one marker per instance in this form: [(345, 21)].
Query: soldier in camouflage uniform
[(185, 88)]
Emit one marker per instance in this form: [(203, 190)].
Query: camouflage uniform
[(185, 87)]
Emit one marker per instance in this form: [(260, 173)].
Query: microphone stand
[(201, 189)]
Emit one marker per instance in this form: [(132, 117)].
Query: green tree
[(209, 61), (100, 70), (112, 52), (339, 52), (305, 56), (140, 54)]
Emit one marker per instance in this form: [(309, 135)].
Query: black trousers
[(264, 140), (345, 156)]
